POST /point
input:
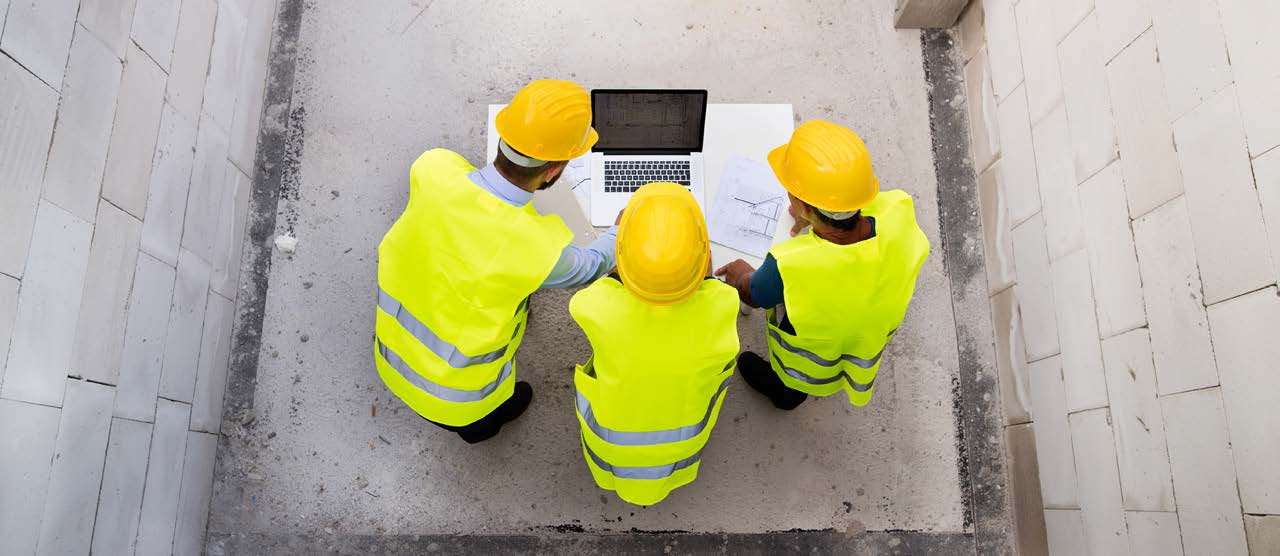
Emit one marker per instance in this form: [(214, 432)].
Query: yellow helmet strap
[(517, 158)]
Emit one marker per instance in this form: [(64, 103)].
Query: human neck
[(530, 187), (860, 232)]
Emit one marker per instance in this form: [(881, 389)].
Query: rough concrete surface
[(315, 446)]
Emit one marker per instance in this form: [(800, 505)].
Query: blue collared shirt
[(578, 266)]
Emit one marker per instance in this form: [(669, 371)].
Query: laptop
[(646, 135)]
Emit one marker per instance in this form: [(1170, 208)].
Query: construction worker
[(663, 337), (836, 294), (456, 270)]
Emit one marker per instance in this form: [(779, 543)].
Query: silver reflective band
[(517, 158), (440, 391), (444, 350), (820, 381), (649, 473), (648, 438), (818, 360)]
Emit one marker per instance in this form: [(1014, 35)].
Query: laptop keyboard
[(625, 176)]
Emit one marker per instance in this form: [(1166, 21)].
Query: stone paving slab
[(186, 321), (100, 329), (211, 375), (8, 312), (109, 20), (209, 179), (155, 27), (76, 475), (159, 516), (191, 56), (134, 134), (29, 108), (38, 35), (40, 352), (170, 182), (78, 155), (143, 354), (224, 63), (27, 436), (1203, 475), (193, 503), (120, 504)]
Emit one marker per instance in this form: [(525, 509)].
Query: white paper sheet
[(578, 177), (747, 208)]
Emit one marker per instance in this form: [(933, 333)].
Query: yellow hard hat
[(827, 166), (548, 119), (663, 250)]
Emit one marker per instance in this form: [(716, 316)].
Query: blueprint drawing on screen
[(746, 210)]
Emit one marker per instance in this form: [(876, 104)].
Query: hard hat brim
[(502, 125), (777, 158)]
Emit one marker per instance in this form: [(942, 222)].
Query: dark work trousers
[(490, 424), (761, 377)]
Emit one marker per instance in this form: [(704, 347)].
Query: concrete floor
[(378, 83)]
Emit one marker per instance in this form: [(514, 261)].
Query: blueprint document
[(746, 210)]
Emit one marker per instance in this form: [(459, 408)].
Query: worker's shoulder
[(439, 159), (893, 198)]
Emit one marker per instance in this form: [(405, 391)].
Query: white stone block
[(224, 63), (186, 322), (78, 155), (997, 230), (1244, 339), (1002, 46), (8, 312), (104, 302), (191, 56), (29, 108), (1011, 358), (1018, 161), (1085, 89), (76, 476), (4, 11), (1138, 423), (38, 36), (1263, 532), (1035, 289), (209, 181), (1226, 219), (27, 436), (1039, 44), (170, 182), (109, 20), (229, 242), (1204, 479), (1175, 308), (155, 26), (1100, 499), (1068, 13), (197, 489), (215, 355), (1152, 175), (120, 504), (133, 137), (143, 355), (1066, 532), (1117, 285), (1250, 28), (1059, 194), (1078, 331), (1193, 52), (984, 133), (1266, 174), (164, 478), (40, 352), (1053, 438), (1154, 534), (252, 83), (1121, 21), (973, 34)]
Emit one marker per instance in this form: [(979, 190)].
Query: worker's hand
[(801, 222), (618, 219), (734, 272)]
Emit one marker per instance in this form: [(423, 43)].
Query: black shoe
[(761, 378), (490, 425)]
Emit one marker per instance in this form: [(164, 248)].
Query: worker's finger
[(618, 219), (725, 269), (798, 227)]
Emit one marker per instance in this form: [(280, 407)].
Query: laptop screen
[(649, 120)]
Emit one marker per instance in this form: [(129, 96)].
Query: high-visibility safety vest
[(454, 274), (846, 301), (649, 396)]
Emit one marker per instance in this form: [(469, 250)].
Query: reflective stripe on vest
[(819, 381), (438, 390), (651, 473), (444, 350), (818, 360), (650, 438)]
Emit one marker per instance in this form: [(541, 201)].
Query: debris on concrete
[(286, 243)]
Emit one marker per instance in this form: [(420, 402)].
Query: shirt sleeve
[(766, 283), (579, 266)]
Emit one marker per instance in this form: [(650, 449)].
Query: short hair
[(843, 225), (521, 173)]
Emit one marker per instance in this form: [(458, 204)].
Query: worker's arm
[(579, 266), (756, 287)]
